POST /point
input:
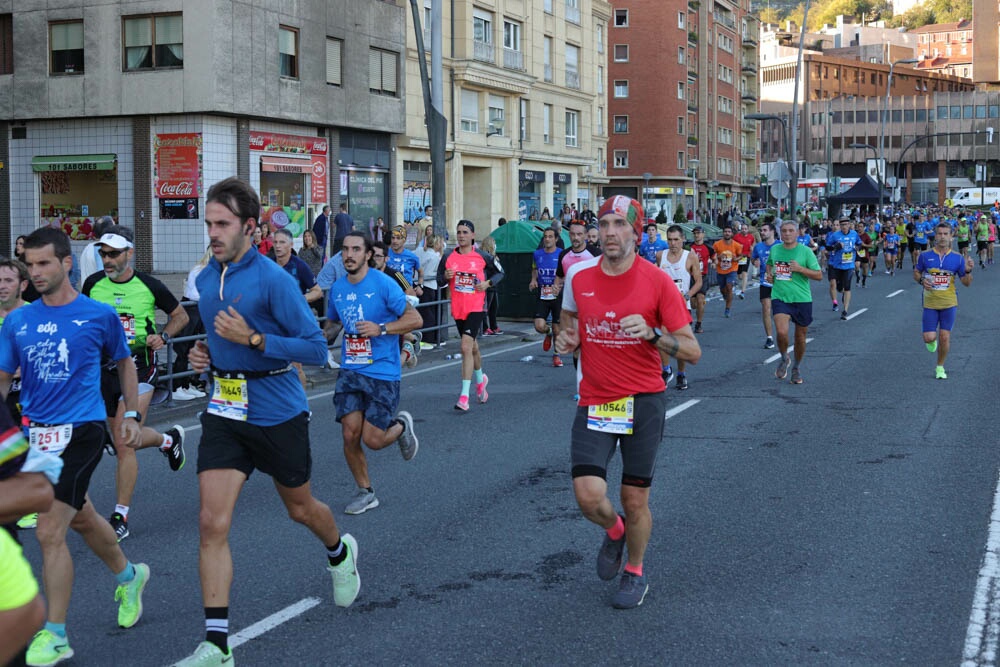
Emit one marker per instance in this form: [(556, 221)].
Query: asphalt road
[(843, 521)]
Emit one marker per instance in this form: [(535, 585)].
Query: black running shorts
[(80, 459), (281, 451)]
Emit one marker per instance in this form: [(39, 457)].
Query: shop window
[(288, 52), (66, 47), (334, 50), (75, 190), (6, 44), (382, 72), (153, 42)]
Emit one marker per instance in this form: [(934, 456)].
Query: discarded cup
[(528, 359)]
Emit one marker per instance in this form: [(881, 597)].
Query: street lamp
[(880, 168), (693, 162), (793, 181)]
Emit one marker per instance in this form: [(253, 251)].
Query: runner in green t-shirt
[(790, 267)]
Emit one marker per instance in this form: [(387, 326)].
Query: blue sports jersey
[(405, 262), (301, 272), (804, 239), (891, 242), (761, 251), (920, 232), (270, 302), (59, 350), (842, 258), (379, 299), (648, 250), (546, 263)]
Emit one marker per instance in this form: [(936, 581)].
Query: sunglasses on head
[(113, 254)]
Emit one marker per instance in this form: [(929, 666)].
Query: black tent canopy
[(865, 191)]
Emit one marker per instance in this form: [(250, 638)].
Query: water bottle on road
[(528, 359)]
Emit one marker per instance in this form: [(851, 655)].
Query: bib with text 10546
[(614, 417)]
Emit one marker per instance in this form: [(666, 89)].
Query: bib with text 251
[(614, 417)]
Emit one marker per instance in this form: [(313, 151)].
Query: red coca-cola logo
[(181, 189), (256, 140)]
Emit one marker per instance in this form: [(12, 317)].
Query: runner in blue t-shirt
[(544, 266), (258, 417), (842, 247), (58, 342), (373, 311), (760, 253), (890, 247), (651, 244), (405, 261)]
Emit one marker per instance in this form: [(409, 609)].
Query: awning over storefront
[(95, 162), (287, 165)]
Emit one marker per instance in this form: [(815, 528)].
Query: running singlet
[(761, 252), (546, 263), (136, 301), (379, 299), (59, 349), (842, 258), (569, 257), (726, 254), (962, 233), (678, 273), (470, 269), (617, 365), (942, 272), (982, 232)]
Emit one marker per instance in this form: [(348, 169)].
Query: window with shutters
[(152, 42), (288, 52), (6, 44), (334, 52), (382, 72), (66, 47)]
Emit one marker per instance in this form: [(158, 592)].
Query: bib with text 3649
[(614, 417), (229, 399)]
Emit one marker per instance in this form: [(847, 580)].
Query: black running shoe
[(120, 526), (175, 452)]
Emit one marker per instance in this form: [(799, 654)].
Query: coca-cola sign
[(272, 142), (177, 165)]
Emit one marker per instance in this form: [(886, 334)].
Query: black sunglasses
[(113, 254)]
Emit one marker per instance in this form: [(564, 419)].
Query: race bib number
[(50, 439), (229, 399), (128, 324), (358, 349), (465, 282), (782, 271), (615, 417), (940, 281), (548, 292), (743, 261), (861, 252), (847, 256)]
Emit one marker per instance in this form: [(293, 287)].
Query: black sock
[(217, 627), (337, 553)]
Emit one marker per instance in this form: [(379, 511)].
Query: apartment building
[(525, 95), (945, 47), (135, 109), (684, 74), (986, 44)]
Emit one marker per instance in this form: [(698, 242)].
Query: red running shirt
[(613, 365)]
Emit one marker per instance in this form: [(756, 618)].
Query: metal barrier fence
[(169, 376)]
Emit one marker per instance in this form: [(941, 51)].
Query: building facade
[(683, 76), (525, 96), (108, 110), (986, 44)]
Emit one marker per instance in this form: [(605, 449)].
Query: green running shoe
[(28, 521), (129, 596), (346, 581), (939, 373), (48, 648), (207, 655)]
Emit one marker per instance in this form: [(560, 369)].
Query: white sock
[(123, 510), (167, 443)]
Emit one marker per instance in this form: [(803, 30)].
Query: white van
[(975, 197)]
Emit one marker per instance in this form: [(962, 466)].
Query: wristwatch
[(132, 414), (382, 330), (656, 336), (255, 340)]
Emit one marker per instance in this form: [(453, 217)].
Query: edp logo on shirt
[(48, 328)]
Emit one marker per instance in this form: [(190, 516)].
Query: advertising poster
[(177, 165)]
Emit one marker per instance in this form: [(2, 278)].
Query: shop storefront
[(529, 195), (660, 199), (365, 192), (560, 191), (76, 190), (293, 171)]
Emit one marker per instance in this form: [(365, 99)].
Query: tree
[(679, 215), (661, 217), (770, 15)]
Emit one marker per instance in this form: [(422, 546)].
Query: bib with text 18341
[(229, 398), (358, 349), (465, 282), (614, 417), (50, 439)]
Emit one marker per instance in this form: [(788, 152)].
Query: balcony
[(725, 20), (572, 79), (748, 124), (750, 179), (484, 51), (692, 141), (513, 59), (749, 67), (748, 96), (749, 40), (748, 153), (692, 107), (693, 5), (693, 37)]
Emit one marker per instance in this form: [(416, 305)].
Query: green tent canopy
[(522, 236)]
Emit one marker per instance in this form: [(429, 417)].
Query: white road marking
[(772, 359), (984, 619), (673, 412), (272, 621), (853, 315), (899, 291)]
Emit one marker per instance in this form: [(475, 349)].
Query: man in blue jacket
[(258, 418)]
